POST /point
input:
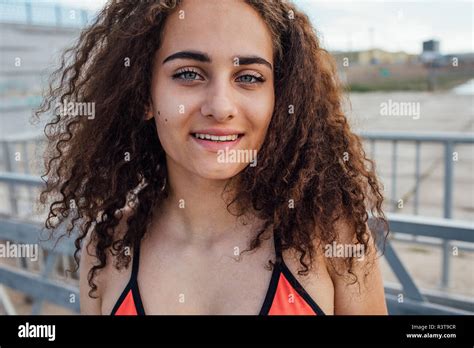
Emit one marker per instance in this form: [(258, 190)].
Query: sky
[(392, 25), (345, 25)]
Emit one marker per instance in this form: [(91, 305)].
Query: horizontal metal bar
[(432, 227), (36, 286), (16, 72), (454, 137), (469, 248), (28, 233), (21, 179), (16, 108), (25, 136)]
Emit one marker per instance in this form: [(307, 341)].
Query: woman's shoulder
[(357, 289), (328, 273)]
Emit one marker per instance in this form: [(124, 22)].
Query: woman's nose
[(220, 103)]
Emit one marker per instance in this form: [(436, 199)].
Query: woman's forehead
[(223, 29)]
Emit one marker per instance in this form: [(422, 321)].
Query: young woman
[(218, 174)]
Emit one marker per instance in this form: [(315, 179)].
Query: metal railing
[(44, 14), (449, 141), (409, 299), (42, 285), (15, 154)]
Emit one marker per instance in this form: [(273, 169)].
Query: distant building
[(430, 53), (430, 56), (375, 56), (431, 46)]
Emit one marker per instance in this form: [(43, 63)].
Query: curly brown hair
[(309, 157)]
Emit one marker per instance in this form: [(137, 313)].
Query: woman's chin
[(220, 171)]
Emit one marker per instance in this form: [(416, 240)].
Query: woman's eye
[(186, 75), (190, 75), (251, 79)]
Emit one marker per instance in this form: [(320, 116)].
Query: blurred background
[(408, 70)]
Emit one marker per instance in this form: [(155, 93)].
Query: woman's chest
[(192, 285), (219, 282)]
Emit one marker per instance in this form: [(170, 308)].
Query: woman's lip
[(215, 146), (218, 131)]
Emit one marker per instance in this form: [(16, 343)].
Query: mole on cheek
[(166, 120)]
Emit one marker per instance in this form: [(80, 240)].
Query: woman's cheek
[(261, 125), (168, 126)]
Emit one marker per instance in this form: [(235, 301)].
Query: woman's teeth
[(216, 137)]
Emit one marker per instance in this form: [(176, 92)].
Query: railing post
[(11, 187), (372, 149), (57, 13), (448, 179), (394, 175), (26, 165), (29, 13), (448, 197), (417, 177), (84, 17)]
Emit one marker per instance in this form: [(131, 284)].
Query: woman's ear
[(149, 111)]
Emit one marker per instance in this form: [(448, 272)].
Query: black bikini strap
[(136, 260), (134, 280)]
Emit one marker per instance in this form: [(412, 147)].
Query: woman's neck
[(196, 208)]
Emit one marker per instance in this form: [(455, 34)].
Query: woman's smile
[(216, 139)]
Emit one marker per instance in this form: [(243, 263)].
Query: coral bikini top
[(285, 295)]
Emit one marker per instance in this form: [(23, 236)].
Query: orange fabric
[(287, 301), (127, 307)]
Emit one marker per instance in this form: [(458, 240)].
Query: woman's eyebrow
[(203, 57)]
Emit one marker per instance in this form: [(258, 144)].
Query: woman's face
[(213, 79)]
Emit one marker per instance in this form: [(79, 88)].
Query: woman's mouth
[(217, 140)]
